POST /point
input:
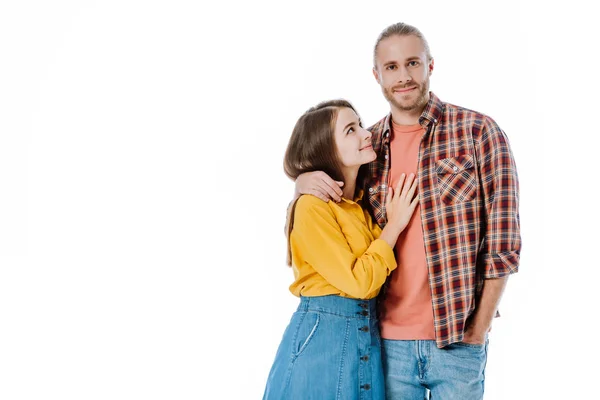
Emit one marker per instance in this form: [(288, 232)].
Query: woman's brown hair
[(312, 148)]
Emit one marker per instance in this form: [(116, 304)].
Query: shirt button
[(371, 190), (455, 168), (386, 156), (366, 386), (365, 358), (364, 329)]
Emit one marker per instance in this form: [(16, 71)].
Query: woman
[(340, 259)]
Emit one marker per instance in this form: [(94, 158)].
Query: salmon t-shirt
[(407, 312)]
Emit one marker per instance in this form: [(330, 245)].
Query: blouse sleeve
[(319, 241)]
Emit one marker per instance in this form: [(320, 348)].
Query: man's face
[(402, 71)]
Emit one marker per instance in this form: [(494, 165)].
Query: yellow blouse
[(336, 250)]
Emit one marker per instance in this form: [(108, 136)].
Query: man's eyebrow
[(413, 58)]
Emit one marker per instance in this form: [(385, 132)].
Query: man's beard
[(417, 104)]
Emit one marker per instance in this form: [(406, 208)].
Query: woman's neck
[(349, 188)]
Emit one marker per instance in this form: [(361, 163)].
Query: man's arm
[(500, 185), (320, 185), (502, 239), (317, 183), (486, 310)]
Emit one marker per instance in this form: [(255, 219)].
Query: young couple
[(401, 238)]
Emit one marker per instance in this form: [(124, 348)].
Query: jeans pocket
[(456, 178), (466, 350), (471, 345), (307, 325)]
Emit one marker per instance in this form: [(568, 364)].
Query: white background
[(142, 195)]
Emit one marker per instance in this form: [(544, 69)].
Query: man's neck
[(402, 117)]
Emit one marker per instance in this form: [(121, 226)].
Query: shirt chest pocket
[(456, 179)]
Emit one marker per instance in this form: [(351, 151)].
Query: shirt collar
[(433, 111), (431, 114), (357, 199)]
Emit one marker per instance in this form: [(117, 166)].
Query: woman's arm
[(318, 240)]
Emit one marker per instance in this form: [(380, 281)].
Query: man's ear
[(430, 67), (376, 75)]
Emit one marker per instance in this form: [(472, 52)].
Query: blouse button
[(371, 190)]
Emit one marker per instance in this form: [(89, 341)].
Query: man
[(462, 243)]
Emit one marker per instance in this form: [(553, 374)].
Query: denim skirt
[(330, 350)]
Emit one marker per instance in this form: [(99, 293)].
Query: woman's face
[(352, 141)]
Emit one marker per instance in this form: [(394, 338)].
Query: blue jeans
[(331, 350), (415, 368)]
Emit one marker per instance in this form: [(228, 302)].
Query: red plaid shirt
[(469, 197)]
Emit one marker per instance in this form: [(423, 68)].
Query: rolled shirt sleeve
[(500, 184)]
